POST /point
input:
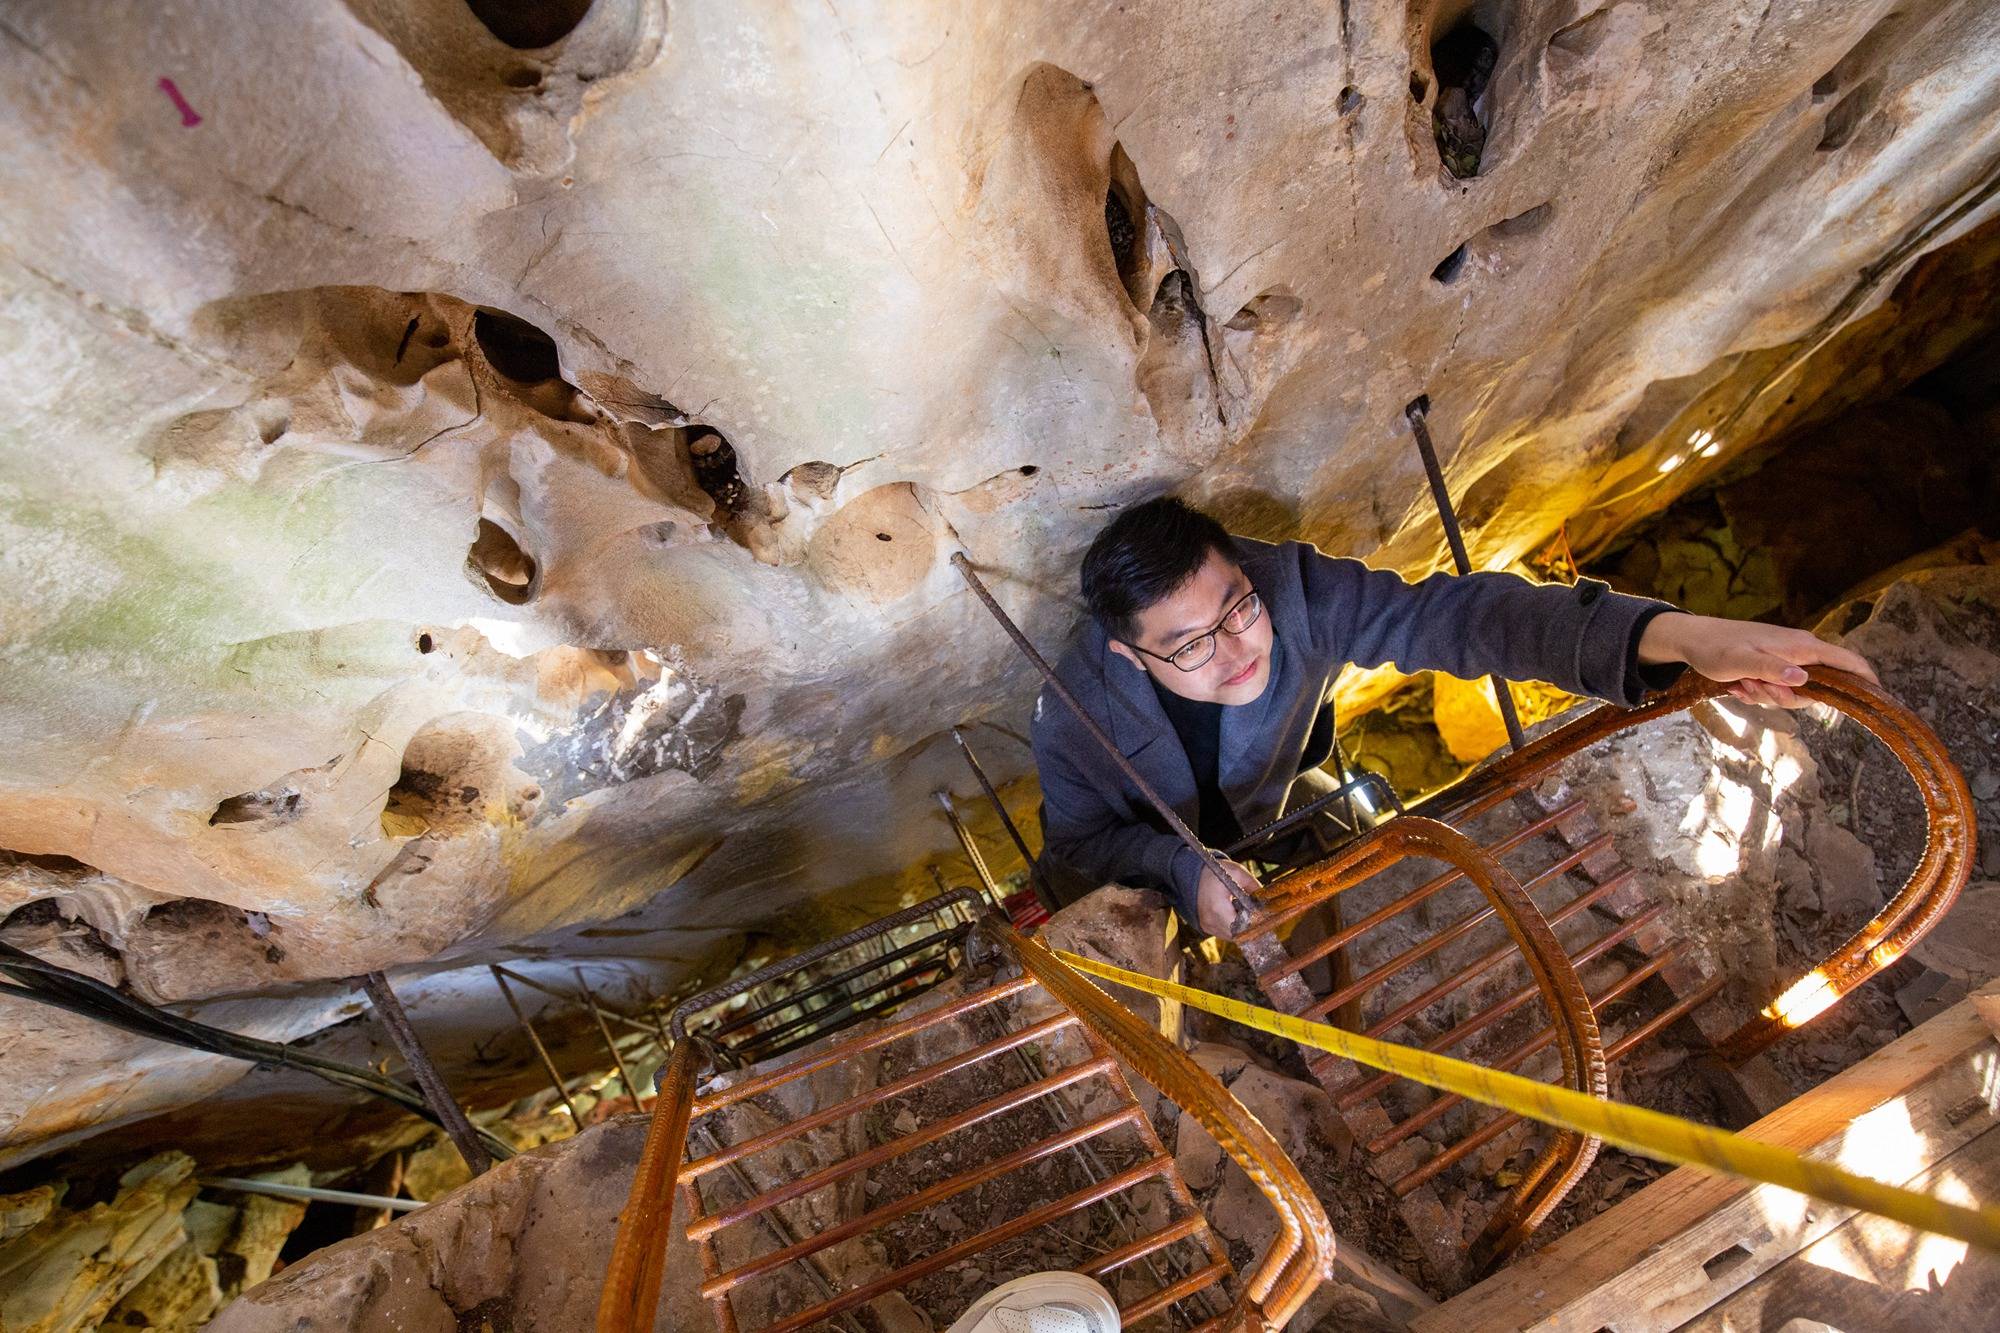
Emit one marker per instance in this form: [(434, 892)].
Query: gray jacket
[(1325, 611)]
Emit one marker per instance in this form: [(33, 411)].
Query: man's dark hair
[(1143, 555)]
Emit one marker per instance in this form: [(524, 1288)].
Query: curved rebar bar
[(639, 1249), (1564, 1159), (1298, 1260), (1301, 1256), (1950, 842), (1925, 896)]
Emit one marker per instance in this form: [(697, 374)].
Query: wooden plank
[(1640, 1265), (1880, 1275)]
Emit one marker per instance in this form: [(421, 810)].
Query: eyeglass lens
[(1194, 655)]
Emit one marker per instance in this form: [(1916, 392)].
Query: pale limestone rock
[(69, 1270), (340, 600)]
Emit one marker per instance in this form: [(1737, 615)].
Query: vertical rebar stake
[(436, 1091), (535, 1040), (1042, 889), (604, 1028), (971, 848), (1416, 412), (1245, 905)]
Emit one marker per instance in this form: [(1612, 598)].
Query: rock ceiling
[(473, 470)]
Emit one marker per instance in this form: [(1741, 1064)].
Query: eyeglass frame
[(1220, 627)]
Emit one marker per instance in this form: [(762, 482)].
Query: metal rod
[(965, 841), (535, 1040), (555, 994), (812, 1064), (1351, 1095), (429, 1081), (846, 1003), (773, 1221), (1209, 860), (952, 1185), (1437, 1106), (1464, 925), (604, 1030), (1416, 1004), (1493, 1129), (1093, 1166), (1417, 412), (856, 1016), (965, 1249), (310, 1193), (1306, 958), (1042, 887), (677, 1021), (950, 934), (882, 1152), (1343, 793), (861, 1101)]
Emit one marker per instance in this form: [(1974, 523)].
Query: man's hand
[(1759, 663), (1214, 904)]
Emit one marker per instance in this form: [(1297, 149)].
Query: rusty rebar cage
[(1567, 901), (1023, 1009), (813, 994)]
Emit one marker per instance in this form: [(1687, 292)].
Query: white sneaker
[(1042, 1303)]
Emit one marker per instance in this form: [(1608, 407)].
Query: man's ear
[(1127, 654)]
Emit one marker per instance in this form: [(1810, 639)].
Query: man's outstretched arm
[(1582, 637), (1760, 663)]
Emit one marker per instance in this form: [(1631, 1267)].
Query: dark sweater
[(1325, 611)]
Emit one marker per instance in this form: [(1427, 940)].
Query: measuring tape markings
[(1636, 1129)]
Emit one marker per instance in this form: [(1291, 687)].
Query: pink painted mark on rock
[(189, 116)]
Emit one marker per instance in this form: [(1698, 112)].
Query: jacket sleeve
[(1581, 637), (1086, 834)]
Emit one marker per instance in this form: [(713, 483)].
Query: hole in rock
[(528, 25), (497, 558), (409, 332), (1854, 615), (525, 77), (1349, 100), (715, 471), (426, 644), (883, 537), (1463, 61), (272, 806), (202, 917), (1124, 218), (1420, 87), (1582, 36), (1825, 86), (273, 420), (1449, 267), (1847, 115), (1264, 311), (49, 862), (1524, 224), (40, 912), (1029, 470), (516, 348)]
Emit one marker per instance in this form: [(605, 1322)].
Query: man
[(1210, 661)]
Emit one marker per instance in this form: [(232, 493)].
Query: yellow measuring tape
[(1654, 1134)]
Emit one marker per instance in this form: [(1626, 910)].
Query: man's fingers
[(1763, 694), (1810, 649)]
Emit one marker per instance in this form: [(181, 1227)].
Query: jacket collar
[(1135, 716)]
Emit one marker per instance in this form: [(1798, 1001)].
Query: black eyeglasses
[(1195, 653)]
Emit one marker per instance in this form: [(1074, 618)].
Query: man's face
[(1241, 666)]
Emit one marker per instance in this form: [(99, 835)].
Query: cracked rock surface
[(473, 471)]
